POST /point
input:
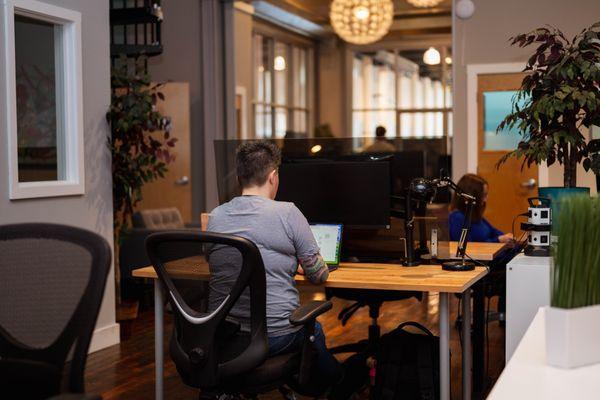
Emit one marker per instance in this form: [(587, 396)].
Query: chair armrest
[(306, 315), (308, 312)]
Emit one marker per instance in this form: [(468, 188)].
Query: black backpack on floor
[(407, 365)]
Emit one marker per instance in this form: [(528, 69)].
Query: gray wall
[(93, 210), (180, 61), (243, 60), (484, 39)]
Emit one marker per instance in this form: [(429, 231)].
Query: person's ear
[(272, 177)]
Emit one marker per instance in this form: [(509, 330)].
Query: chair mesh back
[(41, 284), (194, 292), (235, 266), (225, 265)]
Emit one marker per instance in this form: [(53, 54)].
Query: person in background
[(381, 145), (481, 229), (284, 239)]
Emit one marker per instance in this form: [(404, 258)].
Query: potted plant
[(140, 142), (558, 99), (594, 151), (573, 320)]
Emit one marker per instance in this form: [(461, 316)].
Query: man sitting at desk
[(380, 145), (284, 238)]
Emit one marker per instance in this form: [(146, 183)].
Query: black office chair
[(52, 280), (373, 299), (210, 350)]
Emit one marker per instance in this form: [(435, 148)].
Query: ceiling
[(317, 11)]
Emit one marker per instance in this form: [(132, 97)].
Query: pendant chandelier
[(361, 21), (424, 3)]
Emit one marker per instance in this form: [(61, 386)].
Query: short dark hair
[(475, 186), (254, 162), (380, 131)]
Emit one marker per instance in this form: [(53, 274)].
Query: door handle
[(184, 180), (529, 184)]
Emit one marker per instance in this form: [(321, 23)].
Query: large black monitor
[(356, 194), (412, 158)]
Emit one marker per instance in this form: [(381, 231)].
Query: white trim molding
[(104, 337), (69, 89)]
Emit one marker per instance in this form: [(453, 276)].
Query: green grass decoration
[(576, 271)]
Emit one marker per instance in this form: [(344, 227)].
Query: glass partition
[(410, 159)]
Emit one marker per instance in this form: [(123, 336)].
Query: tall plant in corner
[(140, 142), (561, 96), (139, 155)]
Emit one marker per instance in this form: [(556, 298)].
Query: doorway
[(511, 184)]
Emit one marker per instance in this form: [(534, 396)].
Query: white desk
[(527, 376)]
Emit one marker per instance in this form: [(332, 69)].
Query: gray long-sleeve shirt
[(283, 236)]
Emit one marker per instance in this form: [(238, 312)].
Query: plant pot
[(557, 194), (572, 336)]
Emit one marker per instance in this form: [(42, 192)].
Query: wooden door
[(175, 189), (509, 186)]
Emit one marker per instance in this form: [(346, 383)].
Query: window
[(44, 111), (281, 88), (397, 90)]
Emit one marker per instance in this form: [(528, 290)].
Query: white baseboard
[(105, 337)]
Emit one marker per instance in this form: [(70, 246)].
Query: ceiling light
[(465, 9), (279, 63), (424, 3), (361, 13), (448, 60), (361, 21), (431, 56)]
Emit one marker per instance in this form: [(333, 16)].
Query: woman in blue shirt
[(481, 229)]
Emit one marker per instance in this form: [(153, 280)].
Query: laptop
[(329, 239)]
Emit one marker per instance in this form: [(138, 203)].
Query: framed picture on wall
[(44, 112)]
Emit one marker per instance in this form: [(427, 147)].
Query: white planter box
[(572, 336)]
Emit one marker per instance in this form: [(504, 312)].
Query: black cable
[(478, 262), (515, 219)]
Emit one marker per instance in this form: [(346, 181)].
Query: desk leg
[(478, 339), (158, 340), (444, 348), (466, 347)]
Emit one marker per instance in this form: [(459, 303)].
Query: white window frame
[(70, 87)]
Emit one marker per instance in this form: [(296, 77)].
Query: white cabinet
[(527, 289)]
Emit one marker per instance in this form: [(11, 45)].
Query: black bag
[(407, 365)]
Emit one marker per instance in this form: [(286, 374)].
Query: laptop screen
[(329, 239)]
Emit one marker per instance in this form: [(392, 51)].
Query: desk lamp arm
[(470, 202)]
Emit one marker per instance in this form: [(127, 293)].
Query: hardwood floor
[(126, 371)]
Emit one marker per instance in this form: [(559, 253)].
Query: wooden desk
[(425, 278), (479, 251)]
